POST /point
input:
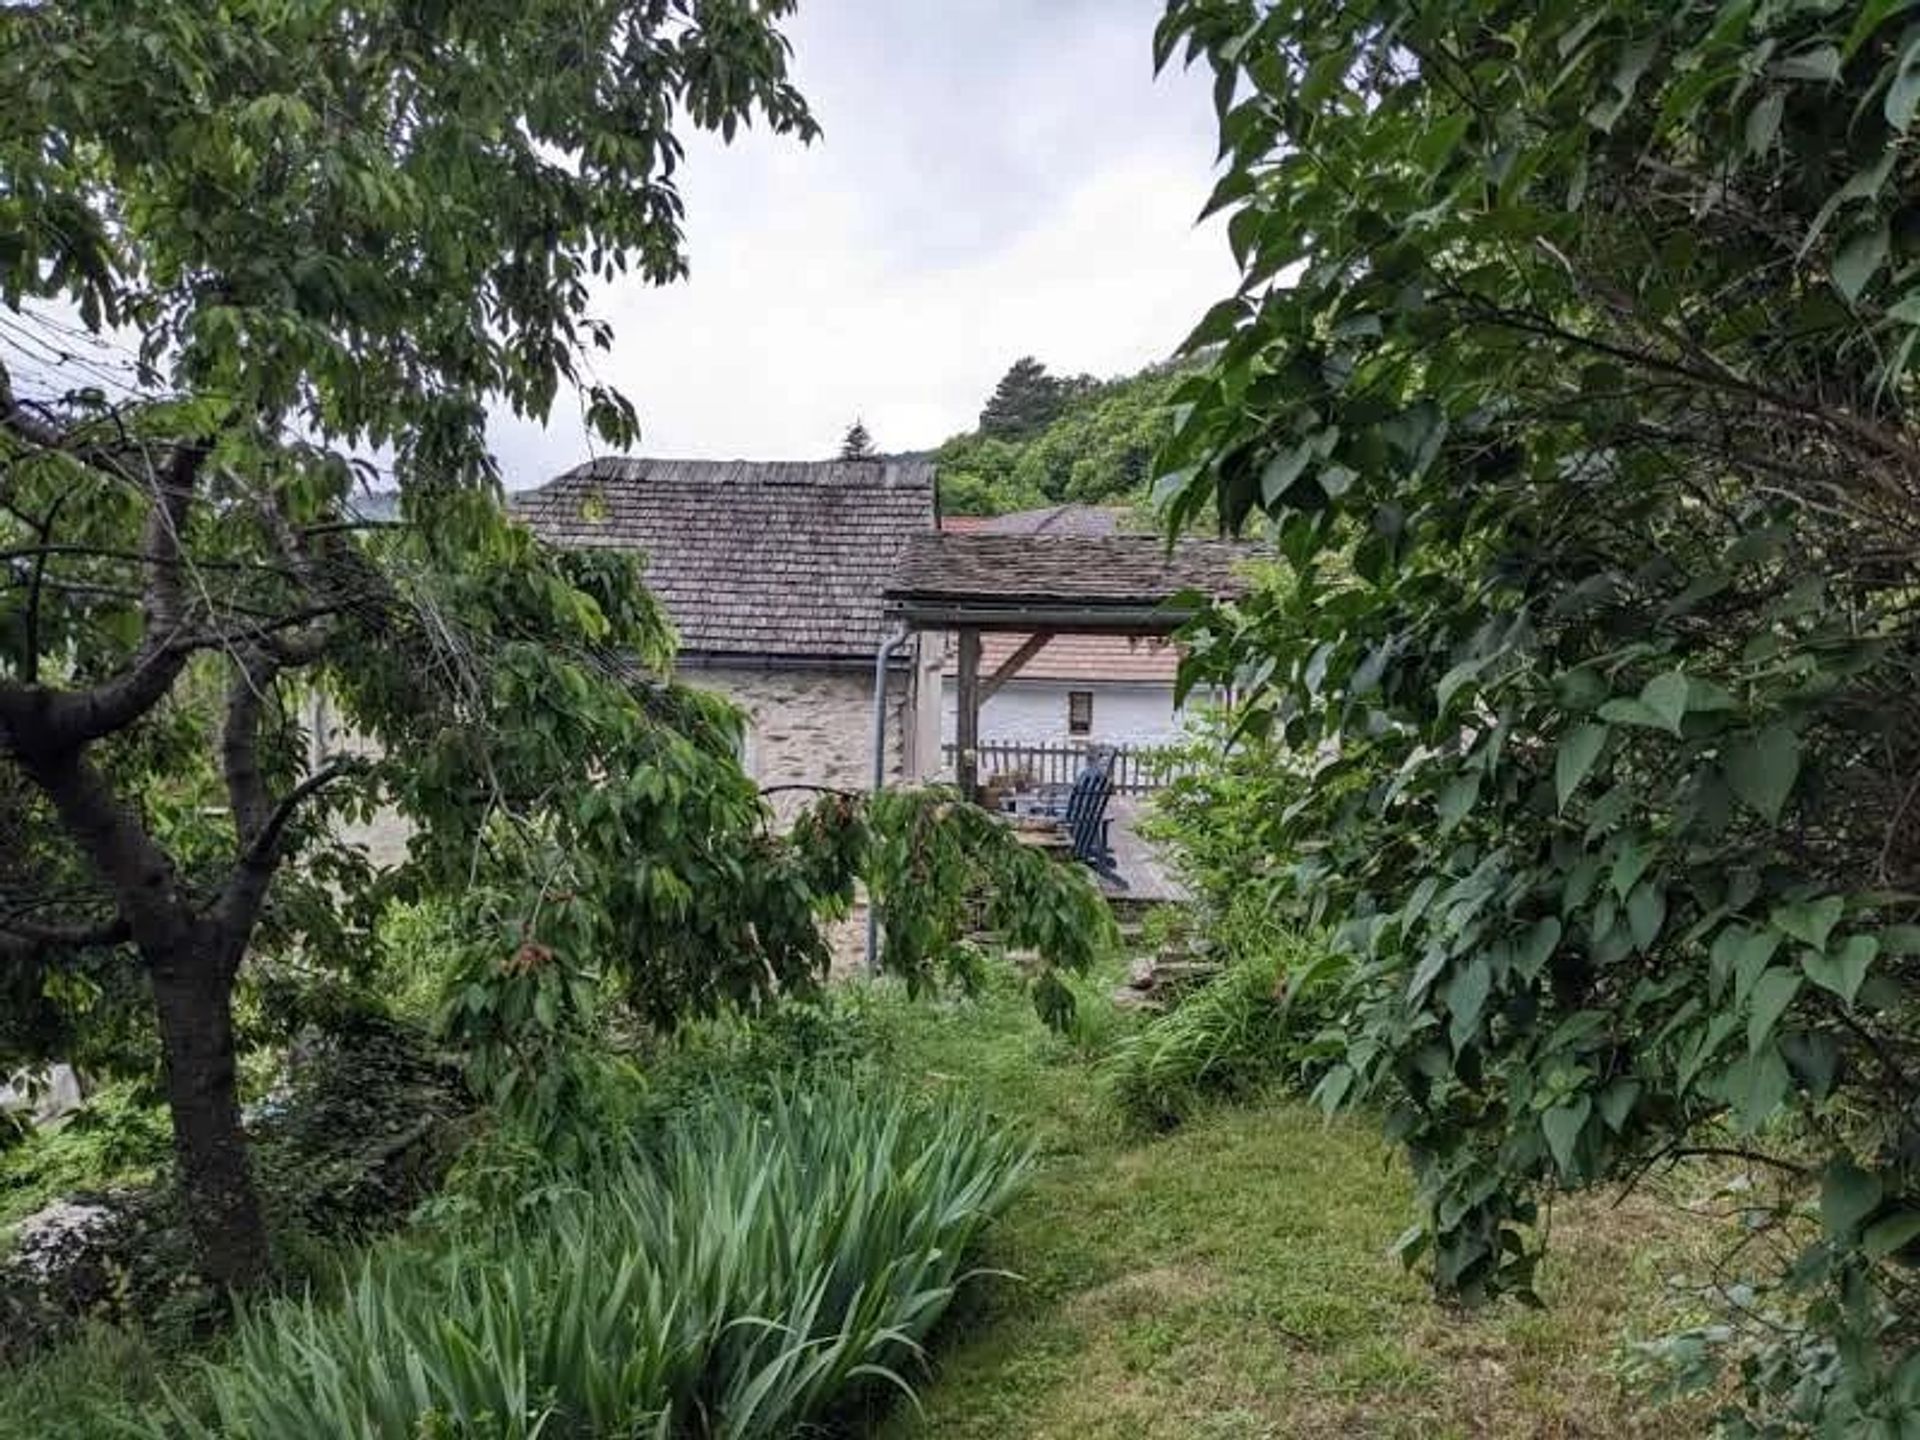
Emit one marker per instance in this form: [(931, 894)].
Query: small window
[(1079, 712)]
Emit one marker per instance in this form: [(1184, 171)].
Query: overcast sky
[(996, 178)]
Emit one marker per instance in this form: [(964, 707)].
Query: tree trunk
[(194, 1001)]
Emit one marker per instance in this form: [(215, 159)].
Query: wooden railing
[(1137, 769)]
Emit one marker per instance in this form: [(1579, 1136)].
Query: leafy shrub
[(346, 1147), (1573, 371), (416, 944), (362, 1131), (1258, 1020), (121, 1136), (764, 1266), (1096, 1025), (755, 1053)]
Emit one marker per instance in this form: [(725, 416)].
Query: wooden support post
[(966, 710)]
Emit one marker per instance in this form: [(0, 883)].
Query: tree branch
[(15, 417), (246, 888), (72, 934), (135, 869), (247, 688), (30, 670), (37, 721)]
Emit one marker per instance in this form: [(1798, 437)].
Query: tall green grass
[(764, 1266), (1259, 1022)]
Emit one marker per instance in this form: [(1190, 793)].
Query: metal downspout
[(880, 662)]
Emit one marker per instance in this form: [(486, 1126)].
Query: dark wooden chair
[(1086, 822), (1081, 811)]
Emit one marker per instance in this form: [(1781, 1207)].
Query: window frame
[(1077, 723)]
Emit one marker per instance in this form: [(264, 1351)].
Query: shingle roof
[(750, 559), (1068, 519), (1075, 570)]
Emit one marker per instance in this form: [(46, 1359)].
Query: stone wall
[(812, 726)]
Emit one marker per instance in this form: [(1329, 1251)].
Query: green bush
[(764, 1266), (1258, 1021), (96, 1384), (754, 1051), (416, 944), (359, 1131), (362, 1131), (120, 1137)]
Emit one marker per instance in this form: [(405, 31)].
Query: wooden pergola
[(1040, 586)]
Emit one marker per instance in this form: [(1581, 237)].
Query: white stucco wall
[(1035, 712)]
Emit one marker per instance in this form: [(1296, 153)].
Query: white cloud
[(996, 179)]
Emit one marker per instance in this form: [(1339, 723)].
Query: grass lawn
[(1234, 1279)]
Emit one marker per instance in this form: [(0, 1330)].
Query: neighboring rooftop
[(753, 560), (1068, 657), (1116, 584), (1070, 519)]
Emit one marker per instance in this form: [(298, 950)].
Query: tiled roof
[(1147, 660), (1073, 570), (1067, 519), (750, 559)]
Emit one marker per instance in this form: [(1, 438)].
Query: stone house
[(772, 574)]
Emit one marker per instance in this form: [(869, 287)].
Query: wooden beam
[(1010, 667), (966, 712)]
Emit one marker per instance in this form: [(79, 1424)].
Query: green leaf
[(1772, 993), (1466, 996), (1863, 185), (1869, 16), (1282, 470), (1575, 758), (1562, 1126), (1616, 1102), (1646, 913), (1843, 970), (1457, 799), (1763, 121), (1632, 712), (1848, 1195), (1814, 1059), (1755, 950), (1757, 1086), (1819, 63), (1809, 921), (1762, 771), (1431, 964), (1537, 948), (1860, 255), (1629, 864), (1456, 677), (1903, 91), (1666, 696), (1891, 1233)]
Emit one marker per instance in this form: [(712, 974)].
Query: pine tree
[(859, 444), (1026, 401)]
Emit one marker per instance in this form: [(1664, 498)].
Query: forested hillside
[(1043, 439)]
